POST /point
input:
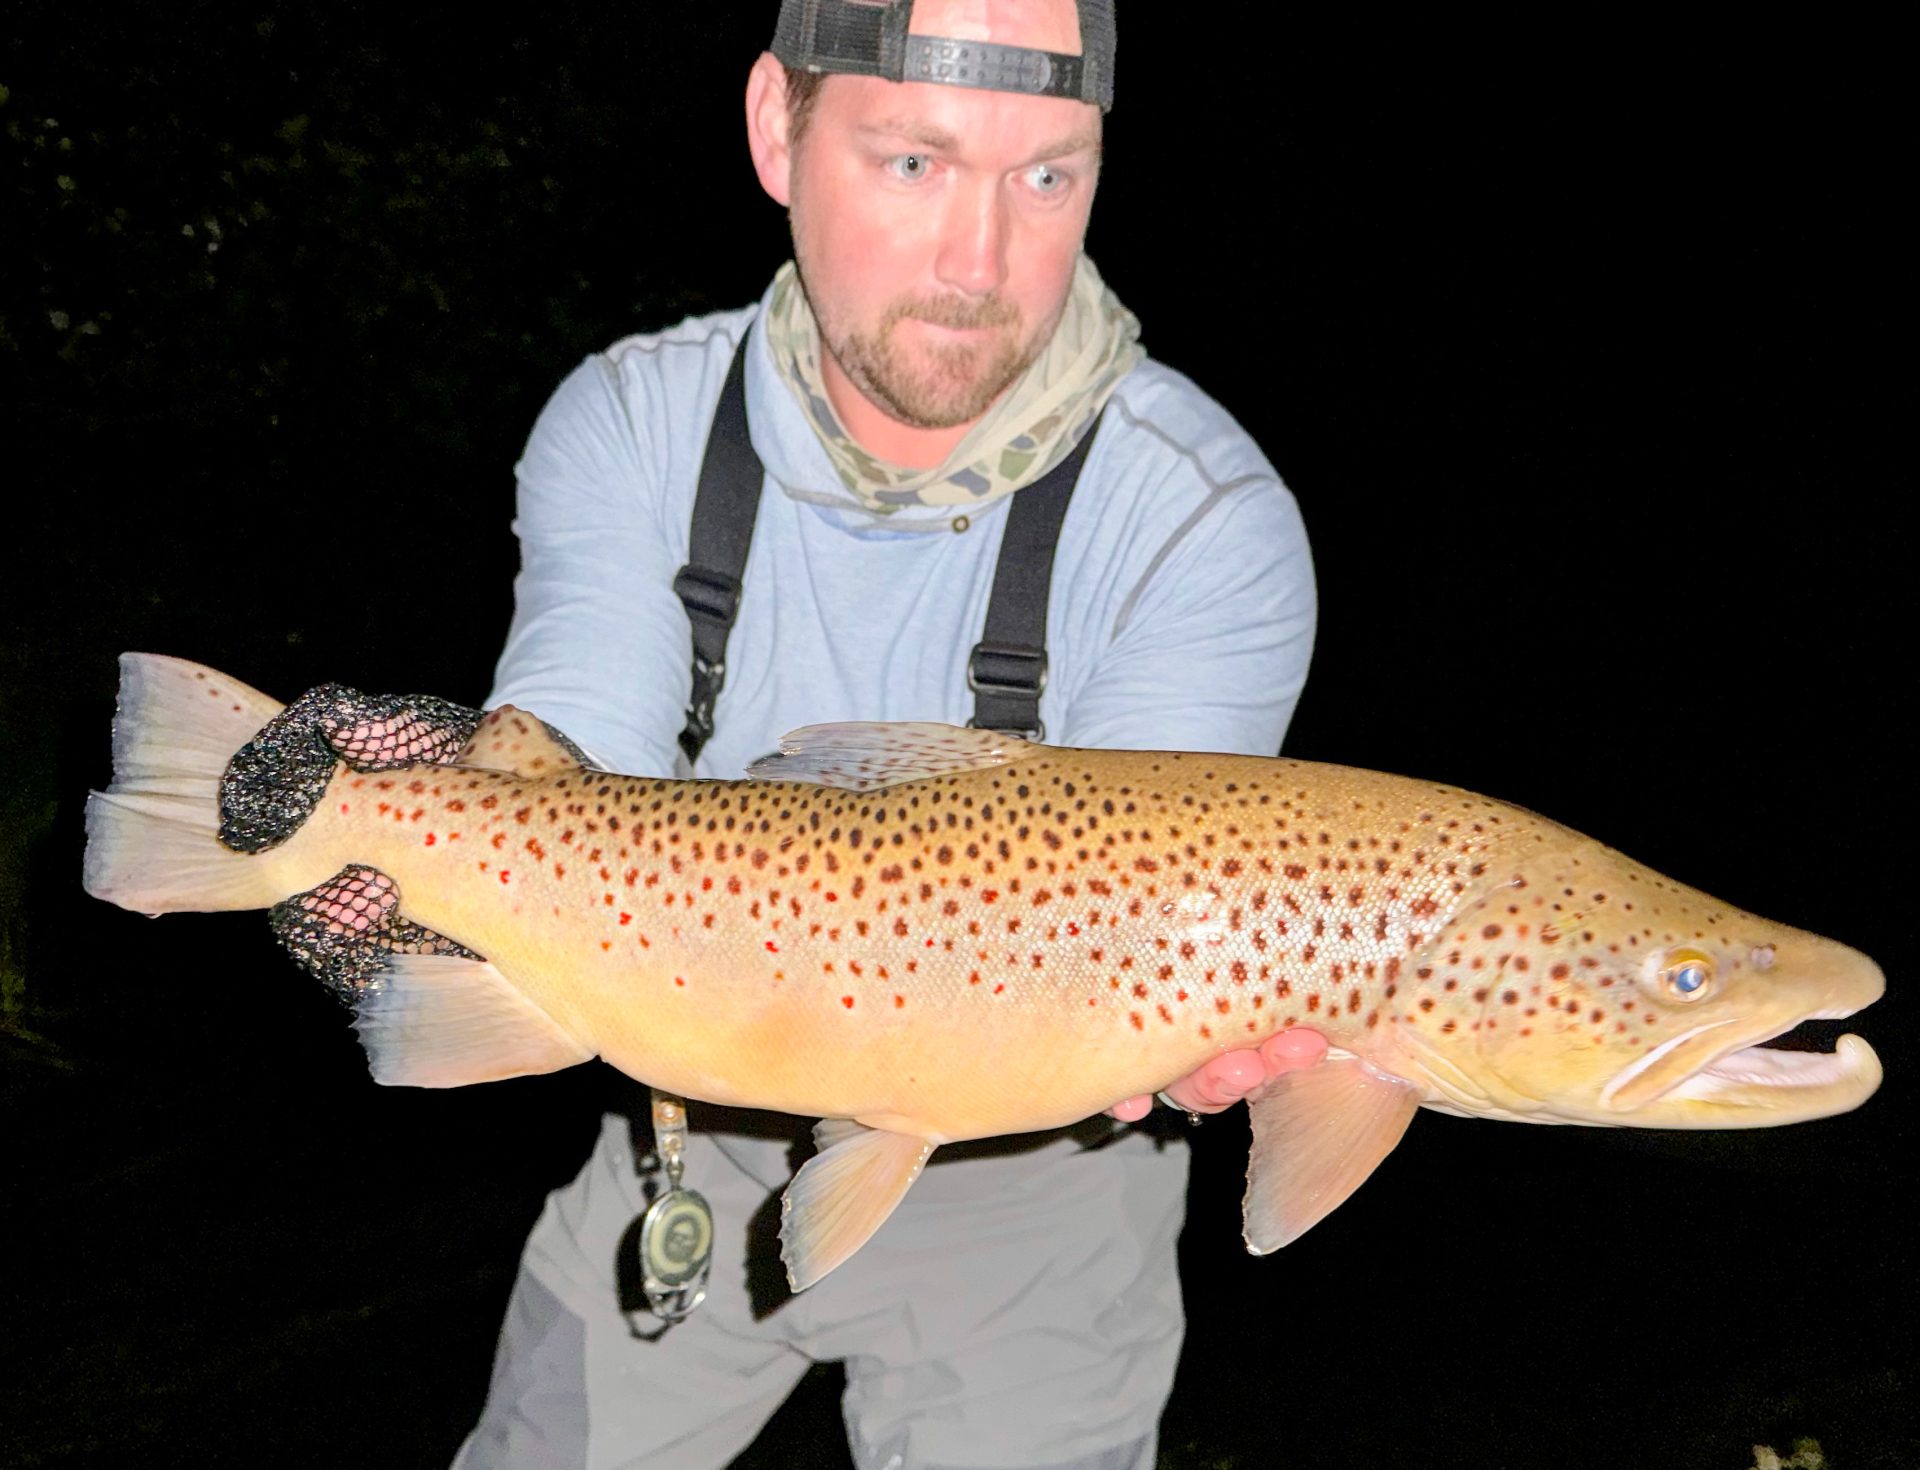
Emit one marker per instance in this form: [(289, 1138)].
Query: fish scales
[(945, 934), (1136, 913)]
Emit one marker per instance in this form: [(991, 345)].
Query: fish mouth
[(1707, 1078)]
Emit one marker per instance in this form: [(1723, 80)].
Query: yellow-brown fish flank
[(947, 934), (1204, 893)]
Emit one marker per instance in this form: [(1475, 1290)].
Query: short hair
[(803, 91)]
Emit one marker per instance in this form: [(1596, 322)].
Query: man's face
[(936, 227)]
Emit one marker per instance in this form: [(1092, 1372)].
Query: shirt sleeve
[(1209, 650), (598, 647)]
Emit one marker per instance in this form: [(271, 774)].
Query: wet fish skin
[(965, 935)]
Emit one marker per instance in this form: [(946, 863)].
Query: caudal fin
[(153, 835)]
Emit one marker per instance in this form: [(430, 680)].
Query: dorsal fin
[(866, 755), (510, 739)]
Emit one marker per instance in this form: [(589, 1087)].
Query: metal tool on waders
[(675, 1243)]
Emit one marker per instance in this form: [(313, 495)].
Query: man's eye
[(1044, 178), (911, 167)]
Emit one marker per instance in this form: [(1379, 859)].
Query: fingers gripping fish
[(923, 934)]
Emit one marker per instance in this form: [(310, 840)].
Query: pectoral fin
[(1317, 1134), (843, 1194), (437, 1020)]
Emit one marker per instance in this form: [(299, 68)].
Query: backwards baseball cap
[(869, 38)]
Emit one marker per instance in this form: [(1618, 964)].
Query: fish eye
[(1687, 975)]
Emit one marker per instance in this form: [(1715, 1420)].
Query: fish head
[(1589, 989)]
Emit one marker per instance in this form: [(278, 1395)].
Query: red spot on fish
[(899, 1002), (772, 948), (505, 873), (847, 1001), (430, 840), (559, 870), (1138, 1024), (343, 807), (626, 918), (678, 981)]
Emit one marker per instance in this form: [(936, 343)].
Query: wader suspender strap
[(709, 584), (1008, 667)]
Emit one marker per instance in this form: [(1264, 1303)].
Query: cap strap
[(997, 68)]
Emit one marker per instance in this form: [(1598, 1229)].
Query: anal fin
[(843, 1194), (1317, 1134), (430, 1011), (437, 1020)]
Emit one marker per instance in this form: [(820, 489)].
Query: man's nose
[(973, 246)]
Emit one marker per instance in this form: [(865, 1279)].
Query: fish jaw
[(1761, 1087)]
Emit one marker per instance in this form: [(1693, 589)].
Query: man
[(941, 346)]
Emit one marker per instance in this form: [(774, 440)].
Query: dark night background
[(1577, 347)]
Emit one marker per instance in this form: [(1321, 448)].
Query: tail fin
[(153, 835)]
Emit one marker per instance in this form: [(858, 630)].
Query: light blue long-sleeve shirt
[(1182, 606)]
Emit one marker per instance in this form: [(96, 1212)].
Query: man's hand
[(1222, 1082)]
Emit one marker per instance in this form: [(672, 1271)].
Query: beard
[(936, 386)]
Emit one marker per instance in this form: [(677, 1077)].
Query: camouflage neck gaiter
[(1032, 427)]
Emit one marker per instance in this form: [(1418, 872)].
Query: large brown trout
[(924, 934)]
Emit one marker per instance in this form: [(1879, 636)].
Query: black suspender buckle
[(1008, 679), (1008, 669), (712, 599), (712, 594)]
